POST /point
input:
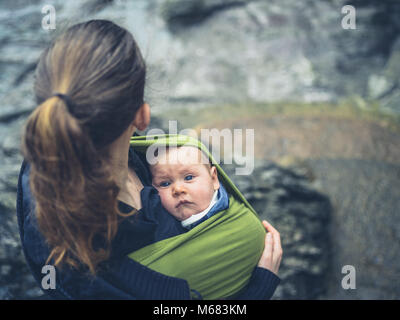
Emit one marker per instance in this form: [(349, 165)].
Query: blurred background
[(324, 102)]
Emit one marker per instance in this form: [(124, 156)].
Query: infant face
[(186, 187)]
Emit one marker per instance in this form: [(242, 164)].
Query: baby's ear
[(214, 177)]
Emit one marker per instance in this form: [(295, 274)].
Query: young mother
[(80, 182)]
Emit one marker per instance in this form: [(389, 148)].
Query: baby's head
[(185, 180)]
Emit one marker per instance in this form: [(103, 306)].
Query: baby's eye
[(164, 184), (189, 177)]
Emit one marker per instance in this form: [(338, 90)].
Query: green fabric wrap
[(216, 257)]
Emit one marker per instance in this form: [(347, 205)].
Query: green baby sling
[(218, 256)]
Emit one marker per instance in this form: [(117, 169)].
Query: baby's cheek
[(163, 197), (166, 201), (205, 199)]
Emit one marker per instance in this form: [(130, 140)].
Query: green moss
[(354, 107)]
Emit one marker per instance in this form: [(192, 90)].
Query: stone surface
[(364, 231), (302, 215)]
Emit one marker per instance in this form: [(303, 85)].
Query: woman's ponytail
[(74, 191), (89, 85)]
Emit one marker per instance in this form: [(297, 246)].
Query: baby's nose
[(178, 189)]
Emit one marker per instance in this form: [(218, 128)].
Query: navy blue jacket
[(120, 277)]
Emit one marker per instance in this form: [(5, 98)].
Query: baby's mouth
[(182, 202)]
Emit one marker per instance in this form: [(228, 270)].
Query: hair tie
[(65, 98)]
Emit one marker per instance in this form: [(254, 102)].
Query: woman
[(81, 180)]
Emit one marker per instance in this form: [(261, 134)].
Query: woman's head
[(98, 65), (99, 69)]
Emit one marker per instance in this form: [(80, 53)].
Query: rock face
[(223, 51), (234, 51), (365, 227), (301, 214), (205, 53)]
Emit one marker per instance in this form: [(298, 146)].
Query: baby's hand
[(272, 255)]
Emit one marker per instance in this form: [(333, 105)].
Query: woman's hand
[(272, 255)]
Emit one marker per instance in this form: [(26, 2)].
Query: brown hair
[(98, 66)]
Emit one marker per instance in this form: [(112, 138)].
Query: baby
[(188, 185)]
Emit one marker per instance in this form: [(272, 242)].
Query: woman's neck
[(126, 179), (119, 155)]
